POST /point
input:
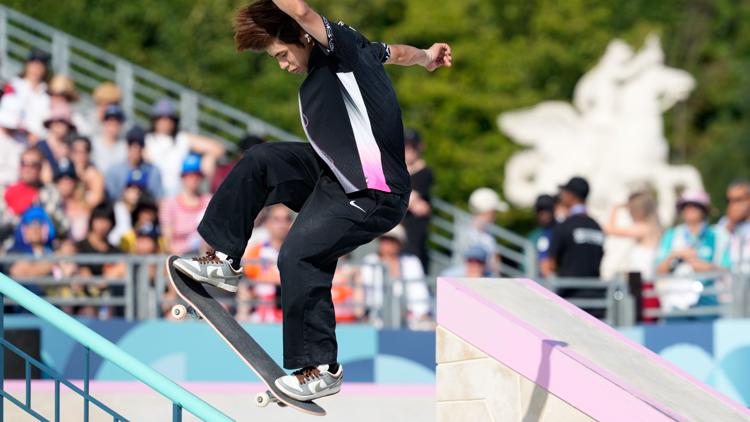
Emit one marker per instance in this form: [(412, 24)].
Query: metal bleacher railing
[(89, 66), (180, 398)]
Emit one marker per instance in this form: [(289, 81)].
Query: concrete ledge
[(567, 365)]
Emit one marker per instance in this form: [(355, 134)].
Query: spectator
[(104, 95), (484, 204), (118, 174), (145, 214), (93, 181), (225, 166), (577, 245), (541, 237), (33, 236), (167, 147), (645, 230), (688, 248), (109, 147), (180, 214), (100, 224), (125, 206), (62, 91), (73, 203), (474, 264), (401, 269), (30, 190), (417, 219), (733, 229), (263, 270), (347, 293), (147, 239), (12, 140), (56, 147), (30, 90)]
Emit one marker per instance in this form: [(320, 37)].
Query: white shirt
[(168, 153), (10, 159), (35, 104), (104, 155)]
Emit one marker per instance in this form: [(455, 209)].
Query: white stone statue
[(612, 134)]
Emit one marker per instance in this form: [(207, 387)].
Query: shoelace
[(209, 258), (306, 375)]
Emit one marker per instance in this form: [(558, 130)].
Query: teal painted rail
[(181, 398)]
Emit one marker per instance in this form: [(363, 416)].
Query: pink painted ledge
[(348, 389), (585, 385)]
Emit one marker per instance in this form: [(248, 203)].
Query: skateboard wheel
[(262, 399), (179, 311)]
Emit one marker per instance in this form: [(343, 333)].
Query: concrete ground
[(360, 403)]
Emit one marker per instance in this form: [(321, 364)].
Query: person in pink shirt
[(180, 214)]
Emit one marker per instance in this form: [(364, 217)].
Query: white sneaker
[(311, 383), (210, 269)]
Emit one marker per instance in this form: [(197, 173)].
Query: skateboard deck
[(239, 340)]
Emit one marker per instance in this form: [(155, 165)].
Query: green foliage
[(507, 55)]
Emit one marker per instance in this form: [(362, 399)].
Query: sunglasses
[(35, 164)]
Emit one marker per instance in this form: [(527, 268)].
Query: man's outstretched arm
[(438, 55)]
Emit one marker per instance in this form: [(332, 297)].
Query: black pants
[(330, 224)]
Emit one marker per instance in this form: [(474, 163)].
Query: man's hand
[(438, 55)]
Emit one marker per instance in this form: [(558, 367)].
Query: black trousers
[(330, 224)]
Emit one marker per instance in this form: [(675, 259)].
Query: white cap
[(398, 233), (486, 199)]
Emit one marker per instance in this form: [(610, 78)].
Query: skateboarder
[(349, 183)]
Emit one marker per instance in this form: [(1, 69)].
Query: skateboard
[(201, 305)]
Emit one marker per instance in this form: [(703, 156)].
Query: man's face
[(101, 226), (33, 233), (112, 128), (291, 57), (544, 217), (31, 166), (279, 222), (738, 203), (135, 152)]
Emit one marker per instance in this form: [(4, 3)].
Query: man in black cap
[(577, 245)]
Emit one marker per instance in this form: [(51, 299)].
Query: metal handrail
[(181, 398)]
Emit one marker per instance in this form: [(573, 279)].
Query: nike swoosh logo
[(318, 386), (214, 273), (357, 206)]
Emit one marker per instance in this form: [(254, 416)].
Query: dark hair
[(145, 203), (84, 139), (175, 129), (257, 25), (103, 210)]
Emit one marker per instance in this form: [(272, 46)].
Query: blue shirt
[(117, 178)]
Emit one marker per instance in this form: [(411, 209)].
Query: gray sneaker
[(311, 383), (210, 269)]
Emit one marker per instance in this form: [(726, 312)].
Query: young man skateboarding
[(349, 183)]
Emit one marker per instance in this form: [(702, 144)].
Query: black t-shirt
[(577, 247), (351, 115), (421, 182), (85, 247)]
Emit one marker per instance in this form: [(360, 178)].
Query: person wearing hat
[(577, 245), (404, 272), (544, 212), (55, 146), (116, 177), (484, 204), (73, 200), (109, 148), (134, 192), (167, 147), (691, 246), (180, 213), (30, 90), (33, 237), (62, 90), (104, 94), (417, 219)]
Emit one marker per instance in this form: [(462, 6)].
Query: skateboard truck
[(181, 311), (266, 398)]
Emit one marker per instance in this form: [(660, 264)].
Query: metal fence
[(142, 293)]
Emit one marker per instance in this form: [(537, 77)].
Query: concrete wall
[(475, 387)]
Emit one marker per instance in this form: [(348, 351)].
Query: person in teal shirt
[(691, 246)]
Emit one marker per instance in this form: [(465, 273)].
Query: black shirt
[(85, 247), (351, 115), (577, 247), (417, 228)]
